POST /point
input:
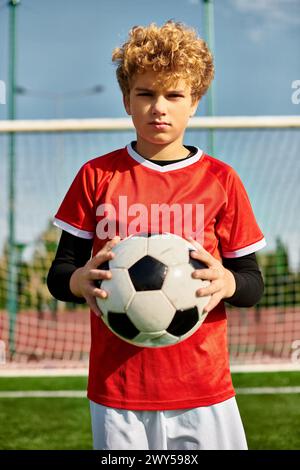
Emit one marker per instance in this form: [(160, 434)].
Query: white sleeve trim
[(245, 251), (73, 230)]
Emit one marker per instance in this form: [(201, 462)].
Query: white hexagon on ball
[(120, 291), (150, 311), (158, 339), (126, 254), (180, 288), (169, 249)]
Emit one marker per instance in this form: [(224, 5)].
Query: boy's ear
[(126, 102)]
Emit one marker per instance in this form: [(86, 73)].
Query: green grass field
[(271, 421)]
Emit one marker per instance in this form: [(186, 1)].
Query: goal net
[(38, 331)]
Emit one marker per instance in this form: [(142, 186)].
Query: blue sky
[(66, 46)]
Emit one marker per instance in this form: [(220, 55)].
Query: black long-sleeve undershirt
[(73, 252)]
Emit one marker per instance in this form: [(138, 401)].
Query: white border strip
[(44, 394), (246, 250), (266, 390), (284, 367), (164, 169), (72, 230), (125, 124), (80, 372), (83, 394), (83, 372)]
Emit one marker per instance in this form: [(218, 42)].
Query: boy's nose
[(158, 106)]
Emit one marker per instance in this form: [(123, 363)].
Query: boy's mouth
[(159, 124)]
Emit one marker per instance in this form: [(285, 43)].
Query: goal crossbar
[(125, 124)]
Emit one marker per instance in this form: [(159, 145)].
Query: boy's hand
[(82, 280), (222, 280)]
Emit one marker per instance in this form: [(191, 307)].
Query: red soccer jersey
[(122, 193)]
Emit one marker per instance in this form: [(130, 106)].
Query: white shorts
[(216, 427)]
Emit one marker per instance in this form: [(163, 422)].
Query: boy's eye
[(176, 95), (171, 95)]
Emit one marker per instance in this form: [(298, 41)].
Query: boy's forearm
[(248, 279), (75, 283), (58, 281), (249, 289), (231, 284)]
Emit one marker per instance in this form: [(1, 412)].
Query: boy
[(179, 397)]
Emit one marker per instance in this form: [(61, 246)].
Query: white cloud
[(278, 9), (271, 15), (256, 34)]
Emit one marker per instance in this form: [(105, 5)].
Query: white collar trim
[(163, 169)]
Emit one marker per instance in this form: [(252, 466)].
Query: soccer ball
[(152, 298)]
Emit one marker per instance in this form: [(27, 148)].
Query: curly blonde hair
[(173, 50)]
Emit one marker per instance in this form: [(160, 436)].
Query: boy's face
[(159, 113)]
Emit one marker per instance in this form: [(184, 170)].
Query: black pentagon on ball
[(148, 274), (122, 325), (183, 321), (146, 234), (196, 263), (105, 267)]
